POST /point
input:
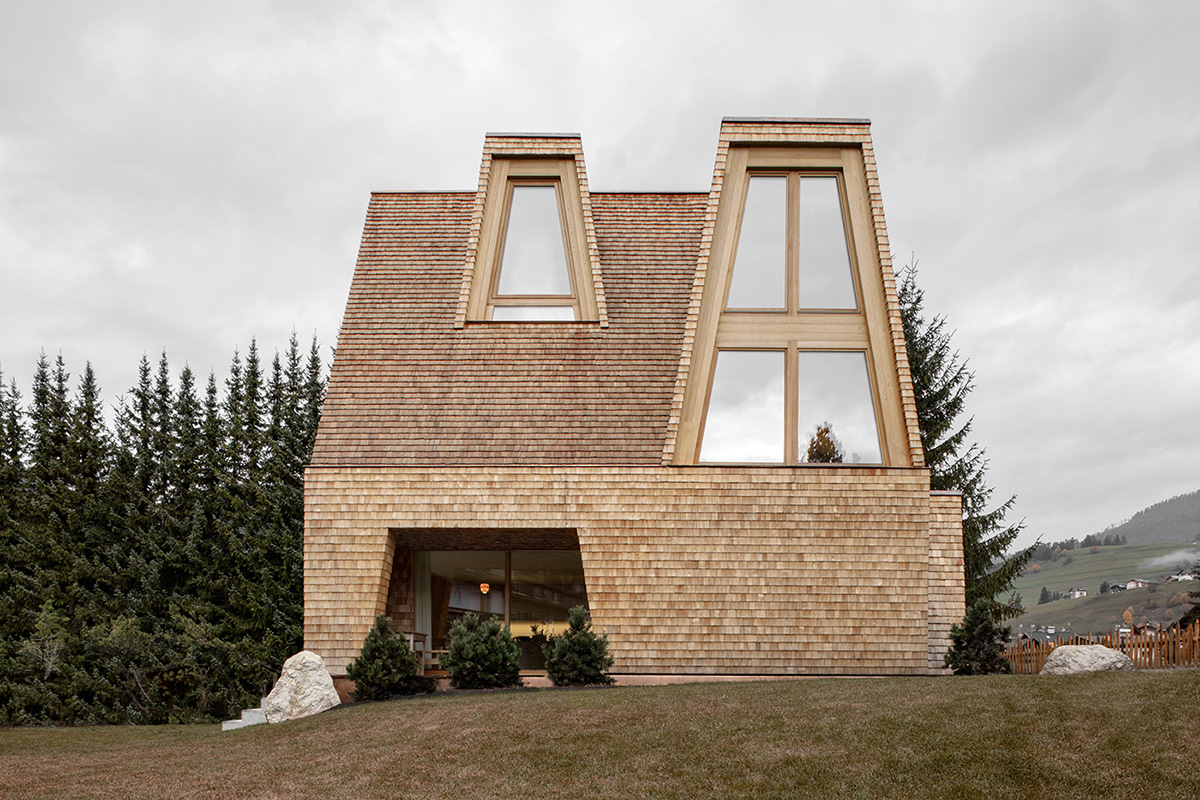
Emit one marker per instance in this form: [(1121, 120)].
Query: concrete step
[(254, 716), (250, 716)]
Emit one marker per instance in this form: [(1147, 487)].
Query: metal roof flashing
[(796, 120)]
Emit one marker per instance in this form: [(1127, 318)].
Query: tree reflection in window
[(823, 446), (835, 393), (835, 413)]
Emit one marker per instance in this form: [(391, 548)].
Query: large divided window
[(792, 250), (790, 406), (790, 381), (522, 588)]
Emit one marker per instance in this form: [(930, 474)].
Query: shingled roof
[(409, 388), (421, 379)]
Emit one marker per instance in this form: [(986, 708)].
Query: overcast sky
[(191, 176)]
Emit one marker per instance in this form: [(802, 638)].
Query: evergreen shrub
[(978, 642), (577, 656), (386, 667), (482, 654)]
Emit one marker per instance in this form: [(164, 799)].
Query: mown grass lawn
[(1108, 735)]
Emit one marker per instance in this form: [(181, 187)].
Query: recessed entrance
[(530, 586)]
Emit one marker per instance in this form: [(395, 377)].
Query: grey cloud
[(190, 178)]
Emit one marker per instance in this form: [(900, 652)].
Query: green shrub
[(482, 655), (386, 667), (578, 657), (978, 643)]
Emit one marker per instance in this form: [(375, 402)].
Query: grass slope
[(1104, 735), (1098, 613)]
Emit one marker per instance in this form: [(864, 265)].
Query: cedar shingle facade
[(445, 432)]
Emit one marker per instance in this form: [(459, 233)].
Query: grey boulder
[(304, 688), (1076, 659)]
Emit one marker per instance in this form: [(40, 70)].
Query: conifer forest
[(151, 557)]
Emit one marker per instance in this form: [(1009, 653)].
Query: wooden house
[(690, 411)]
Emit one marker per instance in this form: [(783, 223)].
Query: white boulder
[(304, 688), (1075, 659)]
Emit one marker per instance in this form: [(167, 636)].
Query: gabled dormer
[(532, 253), (796, 355)]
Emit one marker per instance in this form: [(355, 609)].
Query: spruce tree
[(161, 437), (941, 384), (17, 588), (12, 452), (253, 428), (49, 432), (314, 396), (978, 642), (47, 553), (12, 499), (95, 579), (185, 464), (252, 623), (577, 656), (385, 666)]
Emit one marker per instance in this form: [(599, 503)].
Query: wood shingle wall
[(707, 570), (946, 580)]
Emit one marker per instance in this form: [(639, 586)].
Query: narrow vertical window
[(760, 267), (535, 256), (825, 280), (745, 421), (836, 410), (532, 261)]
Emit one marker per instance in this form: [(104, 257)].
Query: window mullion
[(793, 249), (507, 587), (791, 405)]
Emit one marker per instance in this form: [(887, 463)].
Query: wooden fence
[(1149, 649)]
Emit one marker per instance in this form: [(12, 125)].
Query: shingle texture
[(407, 388), (719, 570)]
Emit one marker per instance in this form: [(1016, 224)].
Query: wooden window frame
[(792, 242), (863, 329), (791, 401), (507, 173)]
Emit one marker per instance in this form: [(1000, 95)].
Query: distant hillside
[(1099, 612), (1087, 570), (1174, 520)]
